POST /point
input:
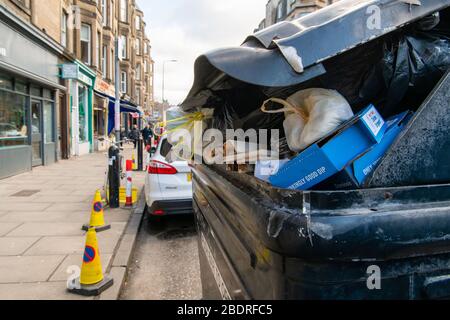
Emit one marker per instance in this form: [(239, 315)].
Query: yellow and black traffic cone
[(91, 282), (97, 215)]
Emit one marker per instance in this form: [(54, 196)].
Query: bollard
[(140, 155), (129, 190), (114, 177)]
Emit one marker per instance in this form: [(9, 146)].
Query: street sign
[(69, 71)]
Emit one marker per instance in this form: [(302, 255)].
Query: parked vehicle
[(388, 239), (168, 185)]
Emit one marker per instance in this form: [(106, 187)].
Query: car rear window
[(165, 148)]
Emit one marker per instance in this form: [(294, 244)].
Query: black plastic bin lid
[(290, 53)]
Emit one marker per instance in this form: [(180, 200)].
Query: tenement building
[(57, 77)]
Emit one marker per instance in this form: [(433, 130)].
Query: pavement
[(41, 215)]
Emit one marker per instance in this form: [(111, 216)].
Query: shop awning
[(293, 52), (125, 107)]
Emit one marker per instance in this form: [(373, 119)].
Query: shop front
[(103, 91), (82, 81), (28, 89)]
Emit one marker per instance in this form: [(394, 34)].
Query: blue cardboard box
[(355, 174), (333, 153)]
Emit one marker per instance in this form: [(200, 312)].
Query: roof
[(292, 52)]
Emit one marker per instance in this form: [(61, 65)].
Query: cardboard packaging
[(356, 173), (333, 153)]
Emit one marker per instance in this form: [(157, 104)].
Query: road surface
[(165, 263)]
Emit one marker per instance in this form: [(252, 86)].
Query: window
[(138, 23), (145, 66), (86, 43), (13, 124), (146, 48), (105, 19), (124, 10), (64, 19), (124, 46), (280, 11), (138, 72), (123, 83), (138, 96), (138, 47), (104, 61), (111, 12), (98, 47), (112, 65)]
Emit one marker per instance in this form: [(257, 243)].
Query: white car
[(168, 186)]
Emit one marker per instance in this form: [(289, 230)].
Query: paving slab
[(57, 246), (26, 206), (47, 229), (7, 227), (37, 291), (80, 218), (76, 260), (107, 242), (28, 269), (61, 207), (65, 199), (15, 246)]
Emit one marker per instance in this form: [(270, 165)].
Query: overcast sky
[(184, 29)]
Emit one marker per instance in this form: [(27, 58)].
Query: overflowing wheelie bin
[(385, 235)]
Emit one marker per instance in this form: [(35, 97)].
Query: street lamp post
[(164, 77)]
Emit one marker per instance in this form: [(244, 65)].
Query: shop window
[(21, 87), (48, 122), (48, 94), (37, 92), (83, 114), (13, 128), (6, 82)]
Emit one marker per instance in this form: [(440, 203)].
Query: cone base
[(86, 228), (93, 290)]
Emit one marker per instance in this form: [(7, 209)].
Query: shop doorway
[(64, 127), (36, 133)]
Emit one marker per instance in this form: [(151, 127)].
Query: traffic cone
[(91, 282), (97, 215)]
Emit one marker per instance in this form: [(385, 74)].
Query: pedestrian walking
[(135, 135), (147, 134)]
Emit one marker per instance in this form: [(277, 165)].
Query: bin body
[(257, 242)]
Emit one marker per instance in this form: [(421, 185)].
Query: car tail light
[(156, 167), (159, 212)]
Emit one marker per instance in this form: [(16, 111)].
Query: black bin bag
[(413, 63)]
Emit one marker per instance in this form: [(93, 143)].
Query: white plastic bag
[(311, 115)]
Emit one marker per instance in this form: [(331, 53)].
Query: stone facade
[(105, 21)]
